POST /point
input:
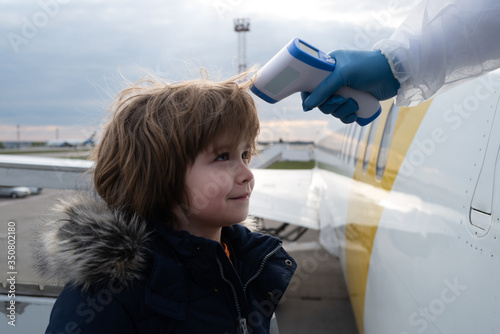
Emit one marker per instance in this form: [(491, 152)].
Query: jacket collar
[(253, 247), (180, 257)]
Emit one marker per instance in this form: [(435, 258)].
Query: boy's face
[(218, 186)]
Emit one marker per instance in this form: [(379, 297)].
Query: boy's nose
[(244, 174)]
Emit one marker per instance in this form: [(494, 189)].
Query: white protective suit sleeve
[(442, 43)]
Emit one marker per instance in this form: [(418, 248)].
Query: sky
[(63, 61)]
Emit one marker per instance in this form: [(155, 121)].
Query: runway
[(315, 302)]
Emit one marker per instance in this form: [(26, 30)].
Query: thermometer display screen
[(308, 50)]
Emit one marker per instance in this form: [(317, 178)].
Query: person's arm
[(442, 43)]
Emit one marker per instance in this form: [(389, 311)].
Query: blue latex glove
[(363, 70)]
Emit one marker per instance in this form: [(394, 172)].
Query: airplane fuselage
[(410, 204)]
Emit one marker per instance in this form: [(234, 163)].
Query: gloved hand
[(363, 70)]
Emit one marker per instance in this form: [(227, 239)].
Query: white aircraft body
[(409, 204)]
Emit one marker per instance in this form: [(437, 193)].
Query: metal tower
[(241, 26)]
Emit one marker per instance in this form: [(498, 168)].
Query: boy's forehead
[(226, 141)]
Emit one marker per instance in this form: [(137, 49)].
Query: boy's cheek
[(221, 178)]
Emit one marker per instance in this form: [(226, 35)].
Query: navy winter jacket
[(123, 278)]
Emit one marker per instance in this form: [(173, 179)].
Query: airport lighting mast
[(242, 26)]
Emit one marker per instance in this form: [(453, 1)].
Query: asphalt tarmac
[(315, 302)]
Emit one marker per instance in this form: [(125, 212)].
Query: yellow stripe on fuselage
[(367, 193)]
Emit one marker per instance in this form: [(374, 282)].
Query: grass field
[(292, 165)]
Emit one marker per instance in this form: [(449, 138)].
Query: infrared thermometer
[(300, 67)]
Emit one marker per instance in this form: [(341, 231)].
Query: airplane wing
[(288, 196), (17, 170)]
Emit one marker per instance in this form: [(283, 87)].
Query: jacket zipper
[(264, 261), (242, 321)]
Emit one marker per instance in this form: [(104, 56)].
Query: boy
[(160, 247)]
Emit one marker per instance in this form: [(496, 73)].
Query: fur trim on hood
[(89, 244)]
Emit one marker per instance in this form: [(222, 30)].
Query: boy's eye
[(223, 157), (245, 155)]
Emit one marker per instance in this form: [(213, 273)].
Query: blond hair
[(156, 132)]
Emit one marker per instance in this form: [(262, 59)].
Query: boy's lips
[(241, 196)]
